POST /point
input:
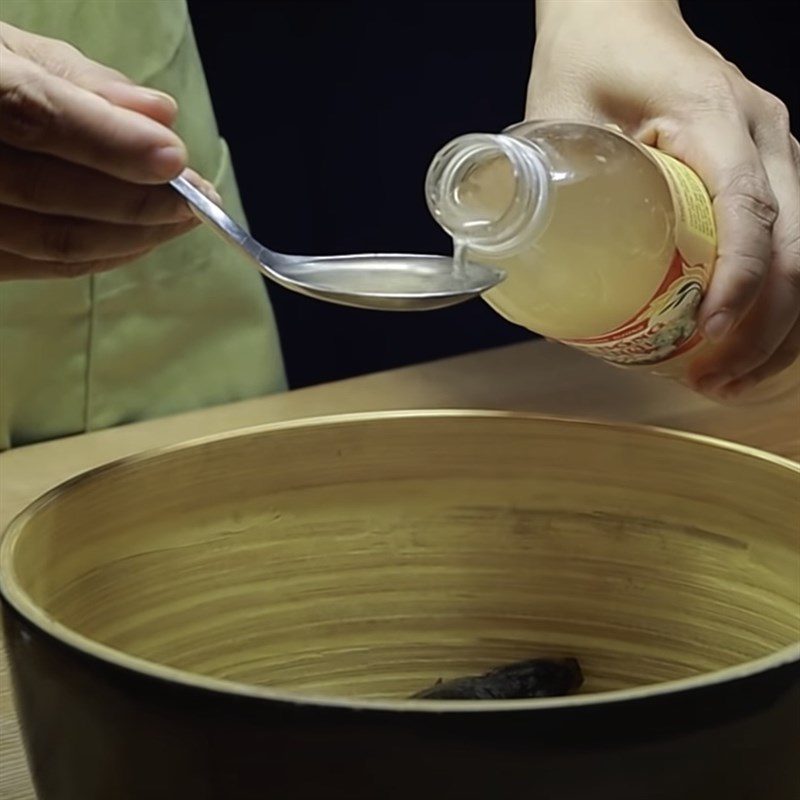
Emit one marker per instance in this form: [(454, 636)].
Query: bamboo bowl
[(244, 616)]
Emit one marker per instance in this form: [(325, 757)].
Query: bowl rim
[(20, 601)]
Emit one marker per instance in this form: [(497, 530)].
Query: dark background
[(332, 111)]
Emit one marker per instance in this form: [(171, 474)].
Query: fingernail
[(191, 176), (211, 193), (159, 95), (207, 188), (718, 325), (202, 185), (168, 161)]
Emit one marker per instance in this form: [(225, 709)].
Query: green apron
[(187, 326)]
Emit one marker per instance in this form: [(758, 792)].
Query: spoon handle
[(221, 222)]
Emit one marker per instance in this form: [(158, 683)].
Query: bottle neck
[(489, 191)]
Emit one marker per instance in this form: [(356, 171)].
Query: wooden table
[(533, 376)]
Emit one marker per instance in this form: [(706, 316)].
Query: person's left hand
[(85, 156)]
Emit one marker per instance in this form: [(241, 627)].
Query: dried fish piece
[(538, 677)]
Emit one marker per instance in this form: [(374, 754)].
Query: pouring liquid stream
[(459, 257)]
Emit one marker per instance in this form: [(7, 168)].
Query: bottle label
[(666, 326)]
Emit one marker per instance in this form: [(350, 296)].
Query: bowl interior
[(367, 557)]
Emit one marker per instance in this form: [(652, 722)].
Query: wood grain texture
[(539, 377)]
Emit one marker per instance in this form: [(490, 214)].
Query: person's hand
[(84, 156), (635, 63)]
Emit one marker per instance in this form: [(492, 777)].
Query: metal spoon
[(389, 281)]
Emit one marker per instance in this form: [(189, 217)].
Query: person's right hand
[(637, 64), (84, 158)]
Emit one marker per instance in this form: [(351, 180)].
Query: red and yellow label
[(666, 326)]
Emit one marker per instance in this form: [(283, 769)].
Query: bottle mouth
[(487, 190)]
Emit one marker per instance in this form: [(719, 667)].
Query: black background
[(333, 110)]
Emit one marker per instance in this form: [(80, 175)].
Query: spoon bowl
[(385, 281)]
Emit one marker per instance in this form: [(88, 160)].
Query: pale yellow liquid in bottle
[(601, 251), (604, 247)]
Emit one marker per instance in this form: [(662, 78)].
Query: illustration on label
[(667, 325), (665, 328)]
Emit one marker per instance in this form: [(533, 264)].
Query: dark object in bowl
[(536, 677)]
